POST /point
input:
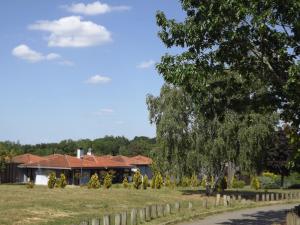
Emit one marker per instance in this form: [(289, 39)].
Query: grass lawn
[(19, 205)]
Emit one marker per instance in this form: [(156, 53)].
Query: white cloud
[(98, 79), (146, 64), (66, 63), (72, 31), (26, 53), (94, 8), (104, 112)]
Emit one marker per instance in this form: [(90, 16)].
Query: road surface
[(266, 215)]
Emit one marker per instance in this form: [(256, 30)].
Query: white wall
[(41, 176)]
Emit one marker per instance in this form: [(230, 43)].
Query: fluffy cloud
[(94, 8), (72, 31), (145, 64), (98, 79), (26, 53)]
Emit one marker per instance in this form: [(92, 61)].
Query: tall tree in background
[(258, 40)]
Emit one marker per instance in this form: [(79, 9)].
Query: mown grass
[(40, 205)]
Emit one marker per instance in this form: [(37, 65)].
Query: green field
[(19, 205)]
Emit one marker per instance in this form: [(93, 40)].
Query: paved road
[(257, 216)]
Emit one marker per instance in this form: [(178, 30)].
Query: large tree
[(257, 40)]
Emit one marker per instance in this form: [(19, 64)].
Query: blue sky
[(78, 69)]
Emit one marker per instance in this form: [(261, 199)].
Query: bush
[(51, 180), (107, 180), (269, 182), (255, 184), (168, 181), (237, 183), (94, 182), (125, 182), (185, 182), (145, 182), (61, 182), (30, 185), (203, 182), (158, 181), (137, 179), (194, 180), (153, 181)]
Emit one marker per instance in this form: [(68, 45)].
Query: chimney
[(80, 153), (89, 151)]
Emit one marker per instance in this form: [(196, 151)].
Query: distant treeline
[(100, 146)]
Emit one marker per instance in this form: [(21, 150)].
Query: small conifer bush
[(255, 184), (125, 182), (203, 182), (153, 181), (194, 180), (137, 179), (185, 182), (30, 185), (158, 181), (168, 181), (107, 180), (94, 182), (145, 182), (62, 181), (51, 180)]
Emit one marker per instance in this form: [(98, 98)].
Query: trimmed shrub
[(145, 182), (153, 181), (51, 180), (137, 179), (61, 182), (267, 182), (255, 184), (168, 181), (194, 180), (203, 182), (94, 182), (237, 183), (222, 184), (107, 180), (158, 181), (185, 182), (125, 182)]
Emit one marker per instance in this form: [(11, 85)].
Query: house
[(78, 170)]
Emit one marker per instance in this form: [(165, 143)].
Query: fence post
[(225, 200), (84, 223), (263, 197), (133, 217), (228, 200), (204, 203), (167, 210), (159, 211), (153, 212), (118, 219), (142, 213), (106, 220), (177, 206), (218, 199), (148, 213), (124, 218), (276, 196), (257, 197), (240, 198), (95, 222), (190, 206), (267, 197)]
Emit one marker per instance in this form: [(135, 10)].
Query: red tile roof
[(59, 161), (26, 158)]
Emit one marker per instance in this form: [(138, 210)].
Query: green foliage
[(94, 182), (125, 182), (51, 180), (237, 183), (107, 183), (194, 180), (158, 181), (62, 181), (185, 181), (269, 181), (255, 184), (203, 182), (222, 184), (137, 179), (168, 181), (153, 181), (145, 182)]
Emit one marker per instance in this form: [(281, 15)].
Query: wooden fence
[(151, 212)]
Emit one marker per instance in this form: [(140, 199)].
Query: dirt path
[(256, 216)]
